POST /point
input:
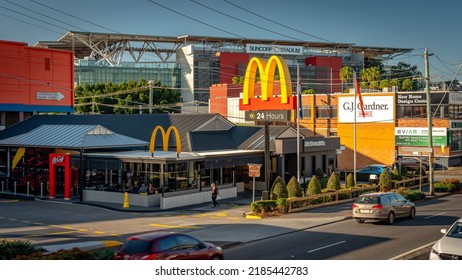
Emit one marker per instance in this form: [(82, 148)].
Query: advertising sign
[(418, 136), (267, 70), (272, 116), (273, 49), (376, 109), (165, 138)]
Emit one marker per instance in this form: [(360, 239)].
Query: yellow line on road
[(171, 226), (9, 201), (99, 232)]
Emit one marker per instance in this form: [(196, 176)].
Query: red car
[(167, 246)]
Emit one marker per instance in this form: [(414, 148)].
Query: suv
[(380, 206)]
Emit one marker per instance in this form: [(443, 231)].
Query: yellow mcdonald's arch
[(267, 71), (165, 138)]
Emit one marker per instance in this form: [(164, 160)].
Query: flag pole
[(298, 123), (354, 128)]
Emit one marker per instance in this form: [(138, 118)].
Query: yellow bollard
[(126, 204)]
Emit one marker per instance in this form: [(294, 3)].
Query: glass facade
[(87, 71)]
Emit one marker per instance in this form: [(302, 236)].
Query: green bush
[(334, 182), (395, 175), (323, 182), (314, 187), (11, 249), (350, 181), (279, 189), (263, 206), (318, 173), (281, 205), (412, 195), (385, 181), (293, 188), (444, 187)]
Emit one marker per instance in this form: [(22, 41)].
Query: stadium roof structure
[(112, 46)]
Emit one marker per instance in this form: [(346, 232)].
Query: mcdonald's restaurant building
[(175, 156)]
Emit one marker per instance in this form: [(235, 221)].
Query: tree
[(384, 84), (279, 189), (334, 182), (403, 71), (314, 187), (407, 85), (319, 173), (346, 74), (394, 82), (385, 181), (293, 188)]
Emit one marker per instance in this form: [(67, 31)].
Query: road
[(319, 234), (348, 240)]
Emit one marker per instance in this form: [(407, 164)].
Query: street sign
[(41, 95), (254, 170), (271, 116), (417, 149)]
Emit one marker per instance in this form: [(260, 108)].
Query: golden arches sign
[(267, 70), (165, 138)]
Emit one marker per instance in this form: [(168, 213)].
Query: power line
[(280, 24), (11, 10), (26, 22)]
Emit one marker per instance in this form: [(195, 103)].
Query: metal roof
[(72, 137)]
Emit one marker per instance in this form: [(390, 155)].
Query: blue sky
[(394, 23)]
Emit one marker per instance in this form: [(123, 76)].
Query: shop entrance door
[(60, 175)]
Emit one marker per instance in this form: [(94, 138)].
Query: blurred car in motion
[(449, 247), (374, 169), (412, 164), (167, 246), (382, 206)]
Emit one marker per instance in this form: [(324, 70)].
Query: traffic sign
[(254, 170), (41, 95)]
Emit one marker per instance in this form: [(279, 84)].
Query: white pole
[(354, 129), (298, 123)]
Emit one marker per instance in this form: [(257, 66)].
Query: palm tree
[(346, 74)]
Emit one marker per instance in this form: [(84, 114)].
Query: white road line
[(439, 214), (327, 246)]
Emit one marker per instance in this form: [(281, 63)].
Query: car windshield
[(368, 200), (456, 230), (136, 246)]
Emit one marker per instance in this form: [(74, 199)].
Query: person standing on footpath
[(214, 194)]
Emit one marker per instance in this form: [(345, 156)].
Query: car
[(167, 246), (449, 247), (374, 169), (382, 206), (412, 164)]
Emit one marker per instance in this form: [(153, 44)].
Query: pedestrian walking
[(214, 194)]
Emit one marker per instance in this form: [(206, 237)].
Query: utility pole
[(429, 122), (150, 96)]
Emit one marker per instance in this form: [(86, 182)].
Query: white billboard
[(376, 109)]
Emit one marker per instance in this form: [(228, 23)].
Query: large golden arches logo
[(165, 138), (267, 71)]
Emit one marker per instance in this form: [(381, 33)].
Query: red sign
[(254, 170)]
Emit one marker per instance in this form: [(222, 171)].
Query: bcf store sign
[(376, 109)]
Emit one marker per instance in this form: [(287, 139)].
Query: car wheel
[(360, 221), (391, 218), (216, 257), (412, 214)]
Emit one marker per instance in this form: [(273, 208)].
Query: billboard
[(376, 109), (418, 136)]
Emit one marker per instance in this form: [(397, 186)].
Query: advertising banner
[(418, 136), (273, 49)]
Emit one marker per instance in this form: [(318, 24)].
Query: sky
[(414, 24)]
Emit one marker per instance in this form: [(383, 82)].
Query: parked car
[(167, 246), (374, 169), (412, 164), (382, 206), (449, 247)]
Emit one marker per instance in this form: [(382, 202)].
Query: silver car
[(382, 206), (449, 247)]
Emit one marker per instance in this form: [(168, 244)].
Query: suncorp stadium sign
[(273, 49)]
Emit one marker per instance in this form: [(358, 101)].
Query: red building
[(34, 80)]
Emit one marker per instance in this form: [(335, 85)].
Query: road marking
[(171, 226), (327, 246), (439, 214), (8, 201)]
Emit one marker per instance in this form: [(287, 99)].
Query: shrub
[(323, 182), (279, 189), (350, 181), (281, 204), (11, 249), (334, 182), (293, 188), (263, 206), (385, 181), (444, 187), (318, 173), (314, 187), (395, 175)]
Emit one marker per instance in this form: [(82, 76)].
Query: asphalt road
[(348, 240)]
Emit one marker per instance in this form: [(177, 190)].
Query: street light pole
[(429, 122), (150, 96)]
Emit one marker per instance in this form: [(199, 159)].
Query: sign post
[(254, 171)]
